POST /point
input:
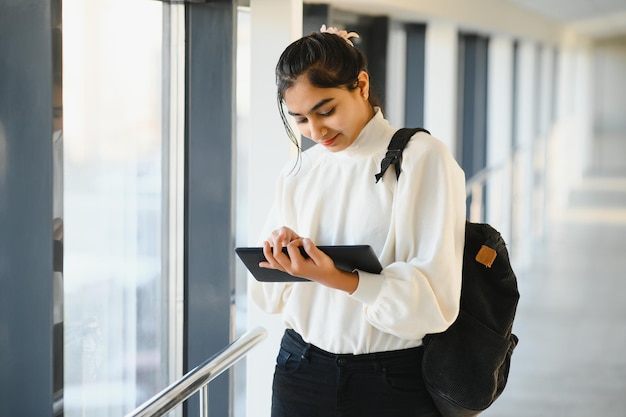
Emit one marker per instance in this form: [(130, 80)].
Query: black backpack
[(466, 367)]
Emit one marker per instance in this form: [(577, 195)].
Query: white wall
[(571, 133), (609, 83), (274, 24), (440, 81), (499, 133), (610, 87), (396, 75)]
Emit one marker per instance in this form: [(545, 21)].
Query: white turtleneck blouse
[(416, 226)]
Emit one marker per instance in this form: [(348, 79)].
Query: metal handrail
[(199, 377), (479, 178), (474, 188)]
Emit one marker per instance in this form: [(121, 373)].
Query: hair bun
[(341, 33)]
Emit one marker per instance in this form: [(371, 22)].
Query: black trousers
[(309, 382)]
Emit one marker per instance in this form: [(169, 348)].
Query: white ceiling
[(596, 18)]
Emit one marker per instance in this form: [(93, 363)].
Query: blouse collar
[(373, 135)]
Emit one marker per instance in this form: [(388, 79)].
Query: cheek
[(304, 130)]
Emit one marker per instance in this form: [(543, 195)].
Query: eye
[(301, 120), (327, 113)]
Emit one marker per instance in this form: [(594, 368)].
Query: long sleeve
[(270, 297), (418, 291)]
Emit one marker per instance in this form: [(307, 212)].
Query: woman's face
[(333, 117)]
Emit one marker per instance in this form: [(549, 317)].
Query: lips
[(330, 141)]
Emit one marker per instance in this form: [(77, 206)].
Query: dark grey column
[(415, 64), (314, 16), (374, 32), (472, 105), (209, 257), (25, 208), (472, 102)]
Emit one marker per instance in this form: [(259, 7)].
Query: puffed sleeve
[(418, 291), (271, 296)]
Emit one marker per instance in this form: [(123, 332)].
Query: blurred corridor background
[(140, 140)]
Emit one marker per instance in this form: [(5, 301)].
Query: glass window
[(116, 137)]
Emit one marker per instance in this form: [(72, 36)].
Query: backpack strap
[(394, 149)]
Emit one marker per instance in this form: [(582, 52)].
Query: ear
[(364, 84)]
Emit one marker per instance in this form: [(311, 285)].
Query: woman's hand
[(316, 266), (281, 237), (273, 247)]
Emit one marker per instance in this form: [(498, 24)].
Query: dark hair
[(327, 60)]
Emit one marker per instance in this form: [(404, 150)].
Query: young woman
[(353, 340)]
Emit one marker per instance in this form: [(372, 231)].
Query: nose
[(318, 133)]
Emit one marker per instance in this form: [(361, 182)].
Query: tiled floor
[(571, 321)]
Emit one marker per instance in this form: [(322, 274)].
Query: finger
[(270, 261), (283, 236), (267, 253), (282, 256), (293, 249), (280, 237), (299, 264), (277, 249), (316, 255), (274, 239)]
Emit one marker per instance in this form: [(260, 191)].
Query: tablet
[(346, 257)]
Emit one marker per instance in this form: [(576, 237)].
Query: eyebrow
[(317, 106)]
